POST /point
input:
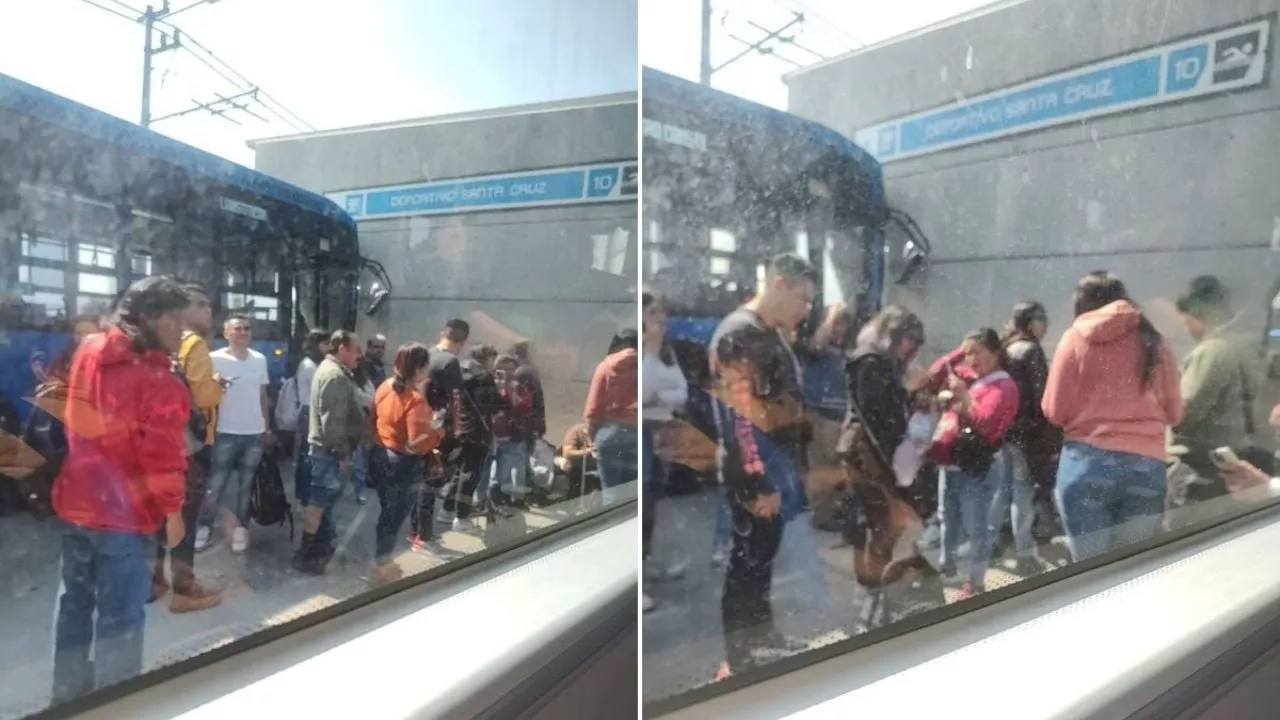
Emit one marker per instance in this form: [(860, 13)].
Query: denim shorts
[(326, 480)]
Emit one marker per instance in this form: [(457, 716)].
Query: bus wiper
[(918, 247), (380, 291)]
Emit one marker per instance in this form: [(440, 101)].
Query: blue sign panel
[(560, 186), (1215, 62)]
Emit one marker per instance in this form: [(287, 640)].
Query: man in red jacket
[(123, 478)]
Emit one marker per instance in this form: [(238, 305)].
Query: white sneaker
[(239, 540), (654, 572), (203, 536), (463, 525)]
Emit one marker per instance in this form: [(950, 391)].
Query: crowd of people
[(154, 448), (1108, 444)]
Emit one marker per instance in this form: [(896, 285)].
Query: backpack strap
[(1247, 398), (854, 392)]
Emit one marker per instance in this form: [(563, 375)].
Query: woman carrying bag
[(405, 433), (968, 443)]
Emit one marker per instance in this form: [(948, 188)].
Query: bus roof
[(791, 133), (26, 99)]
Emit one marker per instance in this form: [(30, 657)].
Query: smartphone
[(1224, 457)]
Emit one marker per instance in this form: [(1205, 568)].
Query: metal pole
[(705, 73), (148, 21)]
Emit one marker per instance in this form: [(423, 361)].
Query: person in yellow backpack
[(206, 393)]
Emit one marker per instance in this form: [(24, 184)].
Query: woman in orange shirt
[(405, 433)]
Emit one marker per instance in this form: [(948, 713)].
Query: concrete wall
[(1156, 196), (536, 274)]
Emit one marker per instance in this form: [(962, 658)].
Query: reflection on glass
[(974, 346)]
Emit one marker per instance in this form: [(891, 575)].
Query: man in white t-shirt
[(242, 430)]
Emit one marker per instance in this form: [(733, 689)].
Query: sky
[(339, 63), (335, 63), (670, 36)]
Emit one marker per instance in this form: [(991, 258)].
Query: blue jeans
[(235, 461), (360, 469), (399, 482), (326, 489), (1016, 497), (653, 470), (722, 535), (510, 471), (1108, 499), (301, 455), (106, 572), (617, 458), (966, 510)]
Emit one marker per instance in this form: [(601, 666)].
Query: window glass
[(41, 276), (97, 284), (93, 255), (486, 216), (998, 328), (43, 248), (142, 265)]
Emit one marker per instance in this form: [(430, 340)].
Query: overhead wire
[(136, 12), (280, 110), (211, 60), (104, 8)]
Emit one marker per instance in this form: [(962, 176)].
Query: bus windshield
[(94, 204), (730, 184)]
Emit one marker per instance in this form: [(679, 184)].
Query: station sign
[(676, 135), (578, 185), (1230, 59)]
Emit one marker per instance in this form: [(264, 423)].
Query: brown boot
[(193, 599), (159, 586), (387, 572)]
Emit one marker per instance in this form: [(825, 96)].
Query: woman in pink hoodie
[(968, 443), (1113, 389)]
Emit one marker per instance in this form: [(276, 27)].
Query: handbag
[(972, 452), (881, 518)]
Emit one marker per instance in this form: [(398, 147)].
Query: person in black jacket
[(878, 399), (874, 374), (527, 373), (479, 402), (1031, 442)]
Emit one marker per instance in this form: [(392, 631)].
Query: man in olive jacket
[(1220, 378), (336, 425)]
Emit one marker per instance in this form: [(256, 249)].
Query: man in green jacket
[(336, 426), (1220, 378)]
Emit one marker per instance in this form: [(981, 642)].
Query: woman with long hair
[(665, 393), (969, 444), (610, 414), (405, 432), (1113, 389), (1030, 442)]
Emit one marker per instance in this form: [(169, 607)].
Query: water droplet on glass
[(968, 59)]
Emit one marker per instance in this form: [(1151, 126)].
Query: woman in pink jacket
[(1113, 389), (969, 444)]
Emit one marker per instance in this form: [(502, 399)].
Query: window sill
[(1114, 642), (474, 643)]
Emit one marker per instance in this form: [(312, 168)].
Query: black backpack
[(197, 423), (268, 505), (46, 435)]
